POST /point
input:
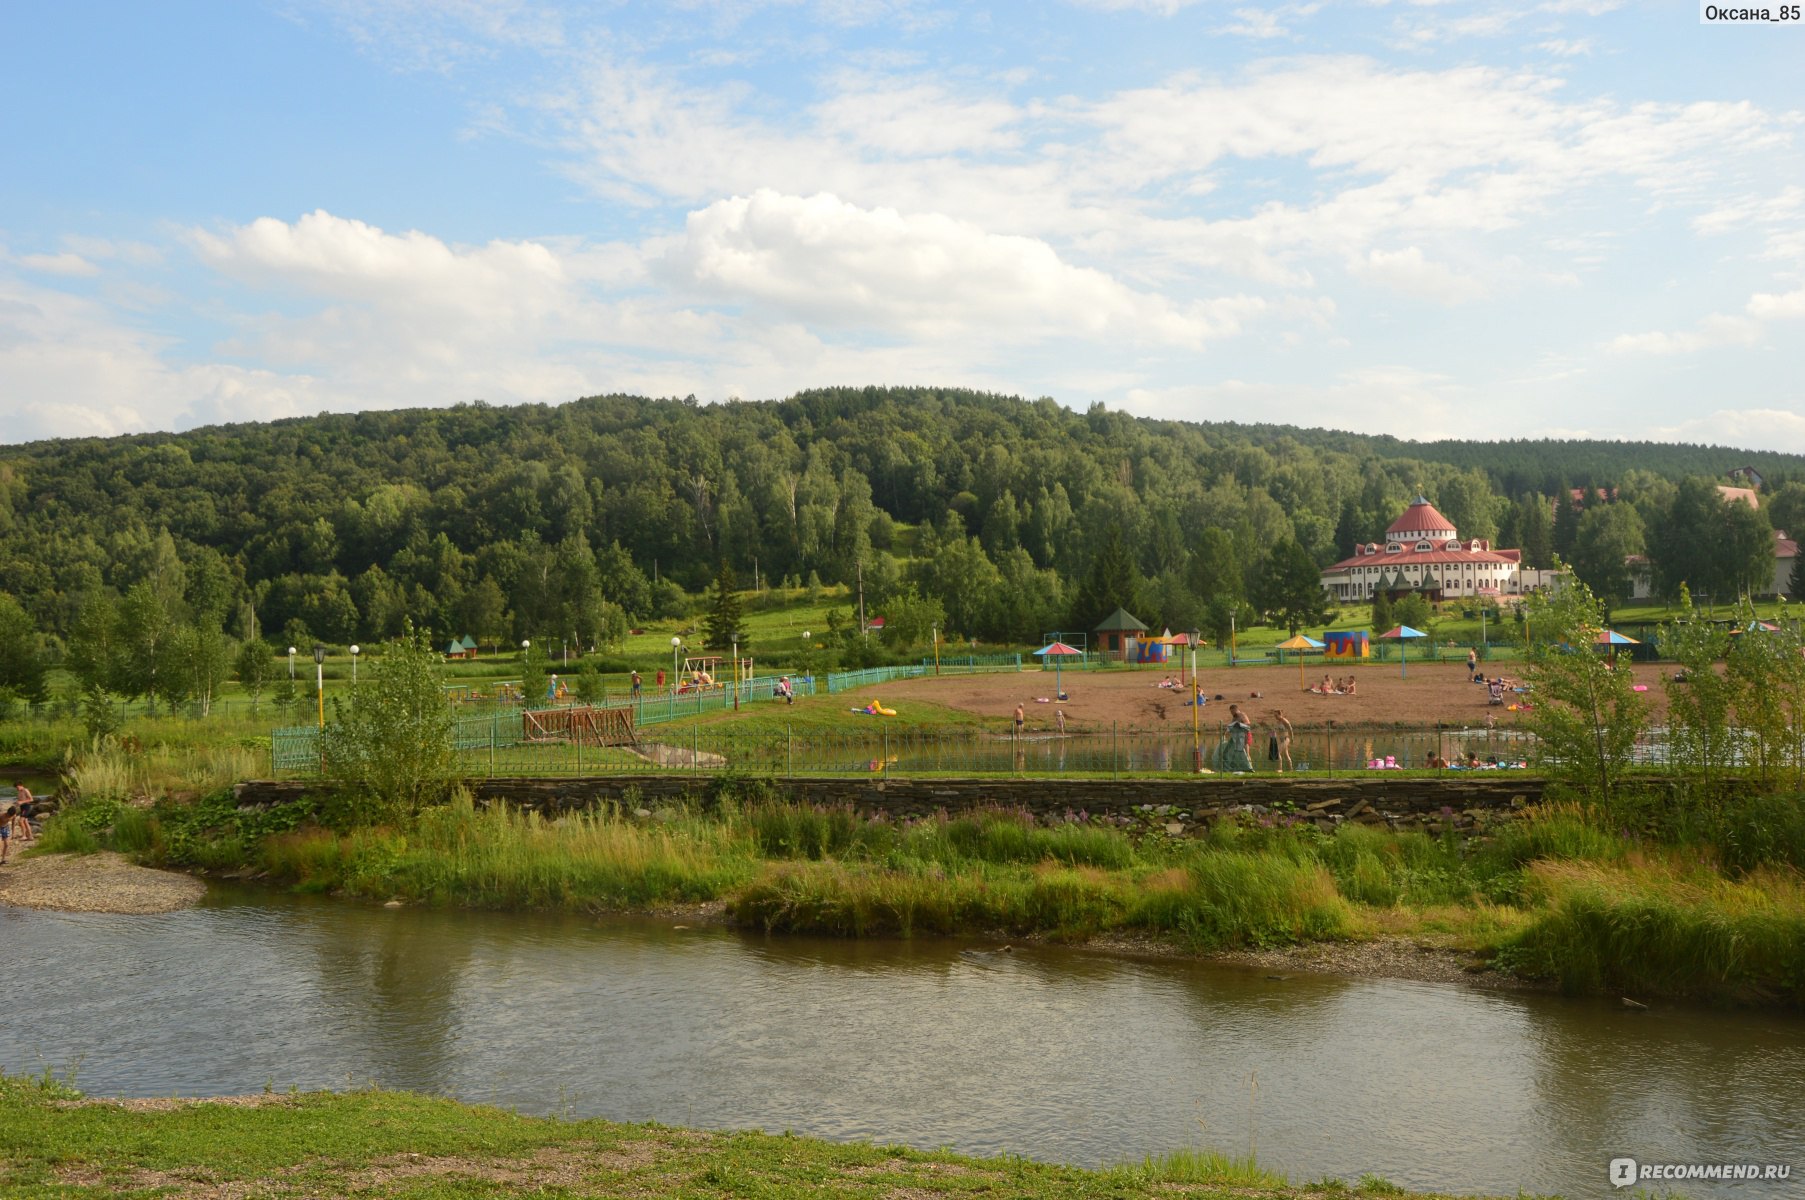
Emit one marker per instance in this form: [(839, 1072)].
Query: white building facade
[(1422, 551)]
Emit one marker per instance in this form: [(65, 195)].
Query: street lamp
[(291, 662), (936, 629), (676, 642), (1196, 703), (355, 651), (319, 670), (736, 674)]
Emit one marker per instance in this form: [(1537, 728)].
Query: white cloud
[(69, 369), (1712, 332), (1267, 22), (834, 263), (1408, 271), (1781, 429), (73, 265), (1766, 306)]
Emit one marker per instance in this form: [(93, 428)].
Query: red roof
[(1420, 516), (1405, 558)]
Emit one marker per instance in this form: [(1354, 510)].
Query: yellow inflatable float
[(874, 709)]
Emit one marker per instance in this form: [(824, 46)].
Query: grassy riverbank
[(395, 1144), (1563, 894)]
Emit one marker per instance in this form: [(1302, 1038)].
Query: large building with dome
[(1423, 552)]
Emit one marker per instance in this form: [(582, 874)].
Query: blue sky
[(1579, 217)]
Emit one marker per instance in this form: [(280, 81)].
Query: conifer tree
[(721, 629)]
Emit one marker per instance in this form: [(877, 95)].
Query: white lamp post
[(355, 651), (291, 662), (319, 668), (675, 643)]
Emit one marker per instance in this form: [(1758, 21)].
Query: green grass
[(382, 1144)]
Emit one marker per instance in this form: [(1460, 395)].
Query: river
[(1048, 1053)]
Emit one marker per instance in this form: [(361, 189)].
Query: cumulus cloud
[(828, 261)]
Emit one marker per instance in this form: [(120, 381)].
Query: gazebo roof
[(1120, 622), (1429, 582)]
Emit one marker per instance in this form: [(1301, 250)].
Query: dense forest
[(1007, 517)]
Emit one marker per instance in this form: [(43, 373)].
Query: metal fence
[(497, 745)]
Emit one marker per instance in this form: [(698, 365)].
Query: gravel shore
[(94, 883)]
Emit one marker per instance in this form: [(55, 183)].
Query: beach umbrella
[(1302, 641), (1057, 651), (1613, 639), (1755, 627), (1401, 635)]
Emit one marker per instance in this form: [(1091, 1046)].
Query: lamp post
[(291, 662), (936, 649), (676, 642), (355, 651), (1196, 703), (736, 674), (319, 670)]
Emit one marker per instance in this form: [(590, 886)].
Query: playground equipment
[(704, 673)]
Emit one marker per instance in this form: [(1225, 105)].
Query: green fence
[(496, 745)]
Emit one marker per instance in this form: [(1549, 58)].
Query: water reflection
[(1043, 1052)]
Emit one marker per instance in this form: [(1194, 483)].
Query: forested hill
[(494, 520)]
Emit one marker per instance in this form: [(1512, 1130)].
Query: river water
[(1047, 1053)]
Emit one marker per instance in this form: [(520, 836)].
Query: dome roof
[(1421, 517)]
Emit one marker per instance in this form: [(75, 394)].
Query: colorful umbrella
[(1301, 641), (1398, 634), (1611, 637), (1057, 651)]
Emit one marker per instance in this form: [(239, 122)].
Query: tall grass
[(1665, 926), (503, 858)]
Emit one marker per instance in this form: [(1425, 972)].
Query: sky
[(1573, 218)]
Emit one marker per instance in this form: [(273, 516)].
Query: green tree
[(254, 666), (393, 741), (1112, 582), (1537, 532), (910, 619), (722, 627), (1289, 590), (589, 686), (1795, 582), (1382, 618), (1586, 714), (1566, 524), (144, 628), (22, 666), (1702, 742), (1717, 547), (1608, 535)]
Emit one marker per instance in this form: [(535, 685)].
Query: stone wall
[(1462, 801)]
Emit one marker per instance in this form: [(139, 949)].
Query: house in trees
[(1423, 552), (1116, 632)]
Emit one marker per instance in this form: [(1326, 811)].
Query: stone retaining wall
[(1461, 801)]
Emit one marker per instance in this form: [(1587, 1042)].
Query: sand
[(1430, 694), (103, 882)]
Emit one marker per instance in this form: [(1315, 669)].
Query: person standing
[(1472, 665), (1281, 732), (1238, 737), (1059, 715), (636, 685), (1020, 719)]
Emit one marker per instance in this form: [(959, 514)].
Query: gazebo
[(1115, 632)]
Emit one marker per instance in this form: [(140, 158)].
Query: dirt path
[(94, 883)]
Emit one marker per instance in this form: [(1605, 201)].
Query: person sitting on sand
[(1434, 761), (1348, 688), (1325, 688)]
